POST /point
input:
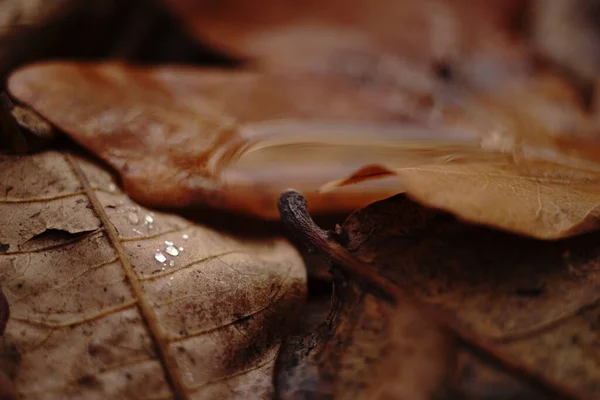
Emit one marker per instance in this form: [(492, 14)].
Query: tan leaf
[(111, 300), (537, 300)]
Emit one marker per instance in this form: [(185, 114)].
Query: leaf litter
[(95, 314), (520, 145), (530, 304)]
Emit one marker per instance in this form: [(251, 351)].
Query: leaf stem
[(294, 214)]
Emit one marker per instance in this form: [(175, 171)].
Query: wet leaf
[(537, 300), (515, 157), (111, 300), (182, 137)]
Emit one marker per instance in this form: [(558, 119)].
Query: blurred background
[(561, 33)]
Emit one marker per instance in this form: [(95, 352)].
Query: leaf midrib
[(168, 363)]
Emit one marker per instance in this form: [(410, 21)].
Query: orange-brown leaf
[(183, 137)]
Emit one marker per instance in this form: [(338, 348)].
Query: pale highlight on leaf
[(112, 300)]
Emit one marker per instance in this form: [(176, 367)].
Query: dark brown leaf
[(367, 349), (537, 300)]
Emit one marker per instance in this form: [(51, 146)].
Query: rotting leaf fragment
[(98, 315)]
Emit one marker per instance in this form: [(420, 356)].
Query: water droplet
[(185, 236), (172, 250), (160, 257), (181, 249), (148, 219), (168, 243), (112, 187), (133, 218)]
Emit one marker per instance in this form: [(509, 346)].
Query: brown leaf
[(111, 300), (367, 349), (537, 300), (172, 133), (339, 355), (304, 34), (172, 136)]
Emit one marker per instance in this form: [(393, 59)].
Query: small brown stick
[(293, 212)]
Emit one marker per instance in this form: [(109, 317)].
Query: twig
[(293, 212)]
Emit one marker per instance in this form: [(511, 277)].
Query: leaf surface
[(538, 300), (366, 349), (515, 157), (182, 137), (111, 300)]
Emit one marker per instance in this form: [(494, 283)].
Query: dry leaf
[(367, 349), (111, 300), (538, 300), (382, 342)]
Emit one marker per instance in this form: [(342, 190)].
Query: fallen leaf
[(537, 300), (420, 351), (172, 135), (182, 137), (367, 349), (111, 300)]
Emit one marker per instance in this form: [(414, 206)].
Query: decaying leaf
[(536, 300), (111, 300), (367, 349), (183, 137)]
